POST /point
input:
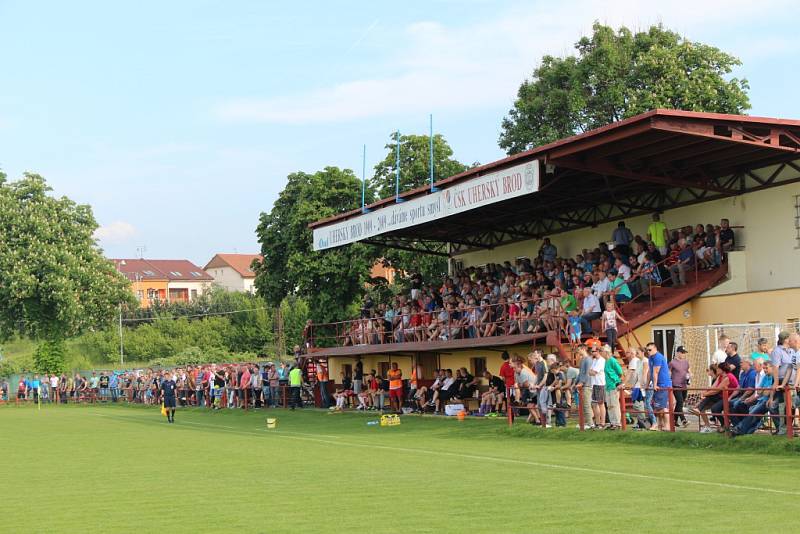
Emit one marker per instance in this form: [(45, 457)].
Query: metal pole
[(433, 189), (121, 347), (397, 170), (364, 180)]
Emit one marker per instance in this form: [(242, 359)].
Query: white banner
[(481, 191)]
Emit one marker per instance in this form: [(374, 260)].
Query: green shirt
[(624, 289), (613, 373), (656, 233), (295, 377), (568, 303)]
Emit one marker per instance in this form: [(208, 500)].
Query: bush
[(50, 357)]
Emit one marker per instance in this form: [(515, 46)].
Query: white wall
[(199, 286), (771, 258), (231, 280)]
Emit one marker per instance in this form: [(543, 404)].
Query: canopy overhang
[(655, 161)]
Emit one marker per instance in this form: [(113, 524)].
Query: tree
[(618, 74), (55, 281), (50, 357), (328, 280), (415, 163)]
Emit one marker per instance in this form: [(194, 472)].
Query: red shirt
[(507, 372)]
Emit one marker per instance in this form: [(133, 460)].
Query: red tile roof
[(241, 263), (172, 270)]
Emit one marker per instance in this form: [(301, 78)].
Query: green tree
[(618, 74), (54, 280), (328, 280), (50, 357), (415, 163)]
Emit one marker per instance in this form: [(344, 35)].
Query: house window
[(667, 339), (194, 294), (139, 294), (152, 294), (477, 366)]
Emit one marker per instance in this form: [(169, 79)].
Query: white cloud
[(116, 232), (444, 68)]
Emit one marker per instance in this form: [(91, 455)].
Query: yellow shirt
[(656, 233)]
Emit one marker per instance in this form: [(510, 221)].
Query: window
[(797, 221), (175, 273), (194, 294), (148, 273), (195, 274), (152, 294), (139, 294), (477, 366)]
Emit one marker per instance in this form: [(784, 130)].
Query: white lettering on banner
[(481, 191)]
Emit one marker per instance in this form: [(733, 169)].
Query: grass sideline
[(90, 468)]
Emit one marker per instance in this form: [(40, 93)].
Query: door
[(667, 339)]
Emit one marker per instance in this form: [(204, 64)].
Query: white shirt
[(53, 381), (625, 271), (599, 366), (601, 286), (448, 382), (635, 365), (591, 304), (719, 356)]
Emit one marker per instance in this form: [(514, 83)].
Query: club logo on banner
[(480, 191)]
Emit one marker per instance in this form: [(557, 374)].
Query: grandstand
[(687, 167)]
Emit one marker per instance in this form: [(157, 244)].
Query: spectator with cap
[(680, 374)]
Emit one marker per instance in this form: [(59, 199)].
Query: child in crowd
[(610, 317), (574, 321)]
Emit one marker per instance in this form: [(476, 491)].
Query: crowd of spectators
[(546, 293)]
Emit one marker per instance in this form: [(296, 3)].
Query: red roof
[(171, 270), (241, 263)]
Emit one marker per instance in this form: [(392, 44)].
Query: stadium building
[(688, 167)]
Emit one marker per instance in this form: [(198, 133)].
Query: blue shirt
[(113, 380), (663, 380), (575, 322), (766, 382), (747, 379), (687, 256)]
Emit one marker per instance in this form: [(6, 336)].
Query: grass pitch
[(124, 469)]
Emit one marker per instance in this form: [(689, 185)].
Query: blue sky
[(179, 121)]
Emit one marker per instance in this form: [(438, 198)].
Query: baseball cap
[(682, 350)]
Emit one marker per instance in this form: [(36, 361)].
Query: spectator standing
[(295, 382), (680, 374), (657, 233), (733, 359), (720, 355), (784, 365), (726, 237), (622, 238), (322, 382), (659, 379), (274, 384), (395, 376), (613, 375), (548, 251), (358, 376), (113, 384), (507, 374), (597, 372), (255, 385)]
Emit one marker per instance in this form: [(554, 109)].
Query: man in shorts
[(168, 388), (659, 378), (597, 379), (395, 388)]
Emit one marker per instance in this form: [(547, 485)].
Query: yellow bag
[(163, 410)]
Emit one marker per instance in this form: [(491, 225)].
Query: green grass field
[(118, 468)]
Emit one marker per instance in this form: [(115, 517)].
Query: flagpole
[(433, 187), (397, 171), (364, 180)]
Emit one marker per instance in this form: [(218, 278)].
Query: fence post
[(787, 396), (671, 411), (581, 420), (509, 410), (725, 414)]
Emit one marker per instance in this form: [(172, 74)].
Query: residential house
[(164, 280), (234, 272)]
